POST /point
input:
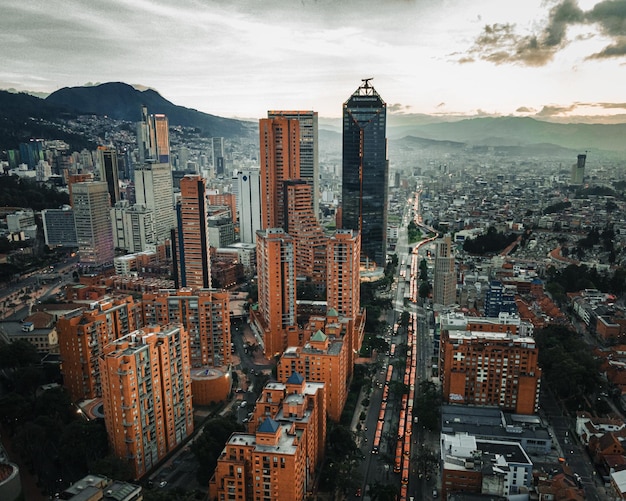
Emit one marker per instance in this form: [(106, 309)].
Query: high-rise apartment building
[(249, 204), (309, 156), (365, 171), (308, 235), (204, 313), (146, 392), (82, 336), (323, 357), (92, 218), (343, 287), (444, 282), (280, 162), (276, 270), (279, 458), (488, 361), (192, 259), (109, 171)]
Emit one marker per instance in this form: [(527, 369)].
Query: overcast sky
[(243, 57)]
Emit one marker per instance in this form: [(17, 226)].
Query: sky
[(240, 58)]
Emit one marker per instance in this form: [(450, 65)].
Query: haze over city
[(547, 59)]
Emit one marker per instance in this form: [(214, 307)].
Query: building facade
[(365, 171), (276, 271), (192, 234), (280, 161), (485, 361), (92, 218), (343, 287), (205, 315), (82, 336), (309, 155), (59, 228), (444, 282), (249, 204), (146, 391)]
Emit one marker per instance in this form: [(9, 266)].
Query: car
[(162, 483), (358, 493)]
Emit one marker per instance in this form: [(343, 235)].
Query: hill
[(123, 102), (23, 116), (519, 131)]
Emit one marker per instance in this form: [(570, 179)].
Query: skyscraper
[(109, 173), (249, 204), (365, 171), (153, 177), (153, 138), (146, 392), (276, 270), (444, 283), (217, 150), (192, 234), (309, 156), (280, 161), (578, 170), (92, 217)]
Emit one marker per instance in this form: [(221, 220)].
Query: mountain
[(519, 131), (23, 116), (123, 102)]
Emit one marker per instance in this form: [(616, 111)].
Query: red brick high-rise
[(280, 161), (489, 361), (146, 393)]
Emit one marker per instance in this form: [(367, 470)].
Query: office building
[(191, 249), (92, 218), (343, 287), (109, 172), (500, 298), (280, 162), (225, 199), (153, 138), (59, 228), (365, 171), (444, 282), (578, 170), (134, 228), (276, 270), (487, 361), (249, 204), (309, 156), (205, 315), (82, 335), (279, 458), (308, 235), (153, 175), (146, 393), (217, 154)]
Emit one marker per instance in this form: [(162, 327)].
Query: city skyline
[(536, 58)]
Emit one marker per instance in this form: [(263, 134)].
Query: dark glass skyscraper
[(365, 171)]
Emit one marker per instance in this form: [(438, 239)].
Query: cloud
[(551, 110), (398, 108), (500, 43), (525, 109)]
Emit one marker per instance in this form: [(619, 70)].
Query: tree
[(113, 467), (424, 290), (21, 353)]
